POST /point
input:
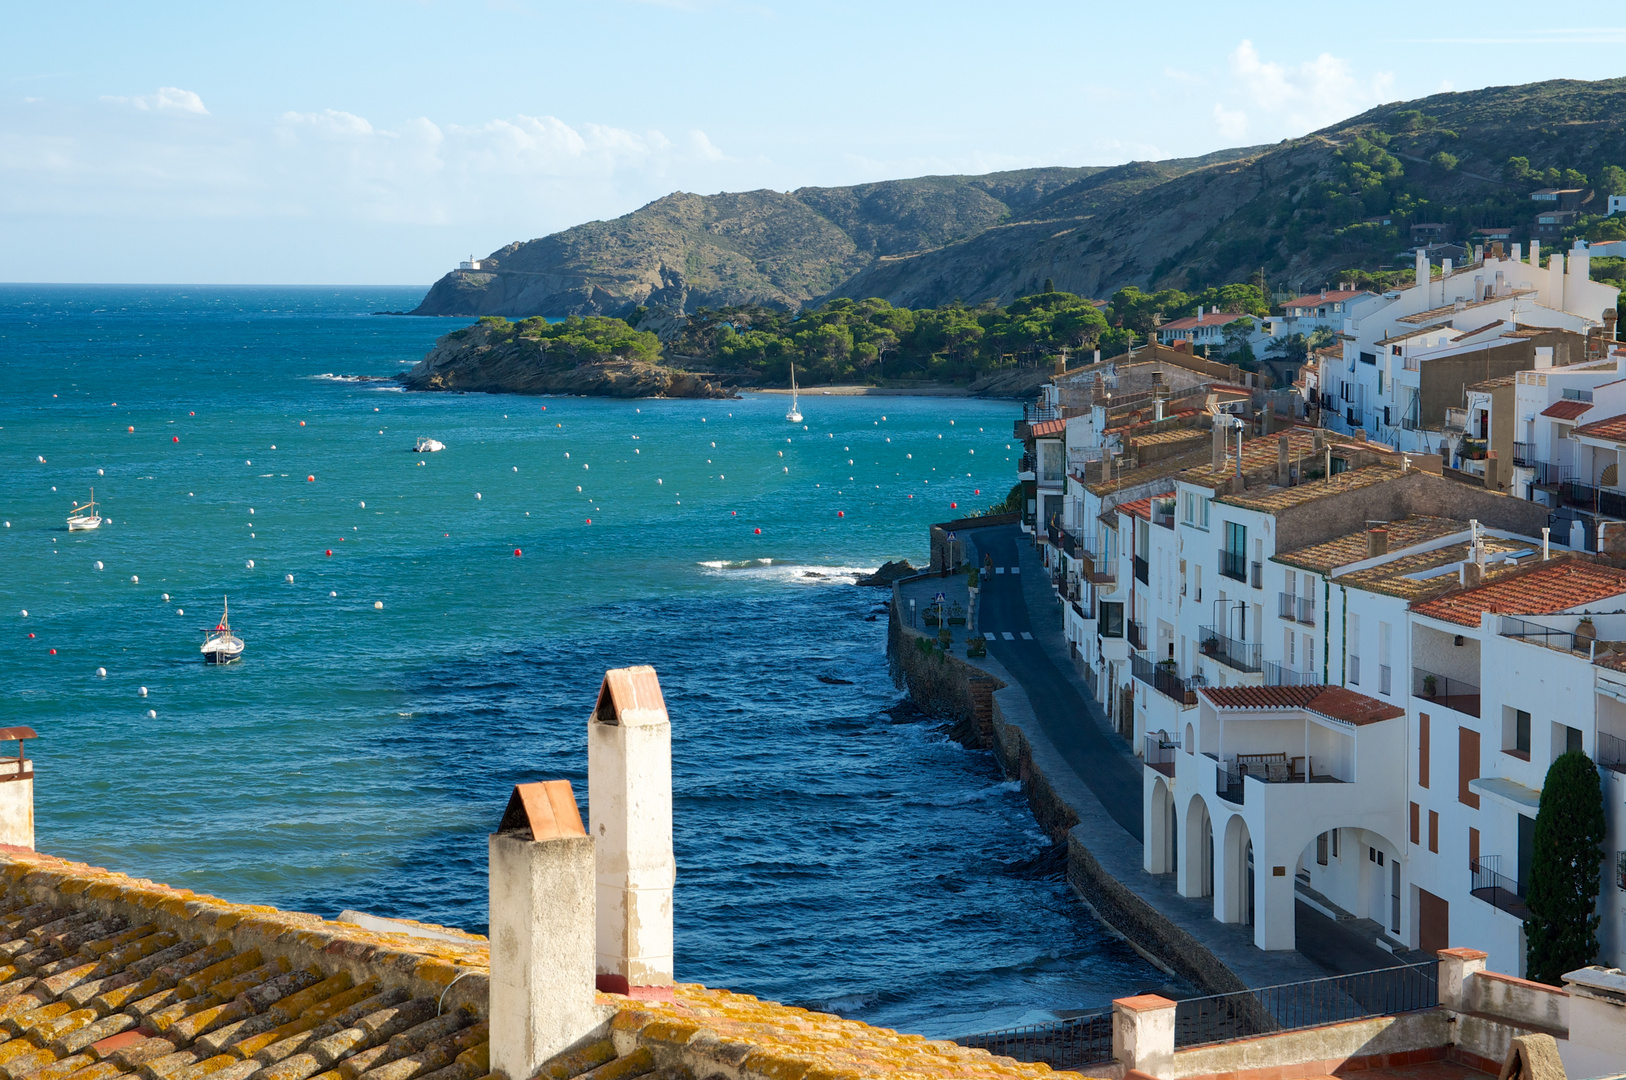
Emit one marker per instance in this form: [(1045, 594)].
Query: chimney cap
[(631, 696), (546, 811)]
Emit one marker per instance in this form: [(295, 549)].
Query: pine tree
[(1049, 285), (1561, 933)]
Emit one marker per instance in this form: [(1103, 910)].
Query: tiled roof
[(1350, 548), (1210, 318), (1272, 499), (1492, 384), (1331, 296), (1446, 312), (1142, 508), (1542, 589), (1392, 338), (1333, 702), (1398, 576), (1612, 428), (1155, 470), (1566, 410), (1048, 427), (1173, 435)]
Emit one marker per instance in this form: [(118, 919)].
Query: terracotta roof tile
[(1325, 557), (1048, 427), (1333, 702), (1542, 589), (1613, 427), (1281, 498), (1566, 410), (1142, 508), (1331, 296), (1210, 318)]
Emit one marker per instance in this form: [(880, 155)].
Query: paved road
[(1074, 723)]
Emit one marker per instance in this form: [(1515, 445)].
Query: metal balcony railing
[(1278, 675), (1288, 605), (1034, 414), (1233, 564), (1166, 680), (1536, 634), (1160, 753), (1607, 501), (1307, 610), (1524, 453), (1137, 634), (1142, 571), (1448, 693), (1314, 1003), (1061, 1044), (1548, 474), (1489, 884), (1611, 752), (1027, 464), (1228, 783), (1229, 651)]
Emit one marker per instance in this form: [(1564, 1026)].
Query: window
[(1467, 766), (1369, 358), (1352, 649), (1572, 740), (1234, 556), (1321, 849), (1112, 618), (1473, 848), (1287, 646), (1516, 732), (1416, 818), (1195, 512), (1422, 750), (1335, 833), (1434, 832)]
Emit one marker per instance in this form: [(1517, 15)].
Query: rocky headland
[(490, 357)]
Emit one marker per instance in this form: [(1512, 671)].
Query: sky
[(380, 141)]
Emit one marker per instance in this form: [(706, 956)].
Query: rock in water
[(489, 357), (887, 574)]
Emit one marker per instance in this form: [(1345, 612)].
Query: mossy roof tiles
[(1272, 499), (1329, 555), (1541, 589)]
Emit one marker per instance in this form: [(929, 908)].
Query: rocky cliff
[(487, 359)]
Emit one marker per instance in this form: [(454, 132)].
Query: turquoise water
[(834, 848)]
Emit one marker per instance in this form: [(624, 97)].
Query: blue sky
[(378, 141)]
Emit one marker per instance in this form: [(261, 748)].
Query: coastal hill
[(1302, 210)]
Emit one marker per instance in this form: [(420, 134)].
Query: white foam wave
[(786, 572), (1005, 788)]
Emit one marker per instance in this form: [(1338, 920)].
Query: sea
[(424, 631)]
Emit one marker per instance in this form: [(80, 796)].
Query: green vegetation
[(1011, 504), (1561, 933), (577, 339)]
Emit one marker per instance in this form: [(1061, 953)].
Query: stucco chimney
[(1544, 357), (541, 912), (1422, 267), (1284, 471), (1377, 542), (17, 791), (1199, 313), (1546, 544), (1535, 253), (1610, 318), (1493, 471), (629, 801)]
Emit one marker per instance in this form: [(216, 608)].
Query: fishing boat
[(795, 414), (220, 645), (85, 517)]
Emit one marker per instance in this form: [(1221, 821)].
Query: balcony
[(1160, 754), (1611, 752), (1498, 890), (1287, 605), (1228, 783), (1277, 675), (1447, 693), (1233, 564), (1257, 575), (1227, 650), (1163, 513), (1035, 414), (1142, 571), (1166, 680), (1094, 565), (1611, 502), (1548, 474), (1062, 540), (1137, 635), (1524, 454)]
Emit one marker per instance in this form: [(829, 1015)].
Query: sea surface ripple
[(835, 849)]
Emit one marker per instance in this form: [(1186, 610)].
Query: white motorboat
[(795, 414), (85, 517), (428, 446), (220, 645)]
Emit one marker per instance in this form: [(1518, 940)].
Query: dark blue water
[(833, 848)]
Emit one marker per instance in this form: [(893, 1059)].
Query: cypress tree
[(1561, 933), (1049, 285)]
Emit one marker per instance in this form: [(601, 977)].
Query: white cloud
[(1278, 99), (168, 99)]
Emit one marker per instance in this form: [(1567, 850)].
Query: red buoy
[(954, 506), (733, 513), (129, 429), (977, 492), (53, 652), (759, 532), (30, 635), (191, 414), (310, 479), (302, 423), (330, 553), (175, 438), (841, 513), (589, 521), (516, 553)]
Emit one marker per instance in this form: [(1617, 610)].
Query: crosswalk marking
[(1009, 636), (1016, 569), (999, 569), (1026, 636)]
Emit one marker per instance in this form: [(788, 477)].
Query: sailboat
[(221, 646), (85, 517), (795, 414)]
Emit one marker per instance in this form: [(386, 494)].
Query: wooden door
[(1433, 922)]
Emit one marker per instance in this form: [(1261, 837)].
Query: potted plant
[(945, 638), (976, 646), (1210, 646), (929, 617), (1585, 631), (956, 615), (1430, 685)]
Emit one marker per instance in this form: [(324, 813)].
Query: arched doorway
[(1237, 903), (1199, 854), (1162, 846)]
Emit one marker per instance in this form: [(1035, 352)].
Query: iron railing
[(1257, 579), (1489, 884), (1606, 501), (1563, 640), (1160, 753), (1233, 564), (1314, 1003), (1548, 474), (1280, 675), (1289, 605), (1061, 1044), (1027, 463), (1227, 650), (1307, 610), (1228, 782), (1165, 679), (1450, 693), (1572, 394), (1524, 453), (1034, 414), (1137, 634), (1611, 752)]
